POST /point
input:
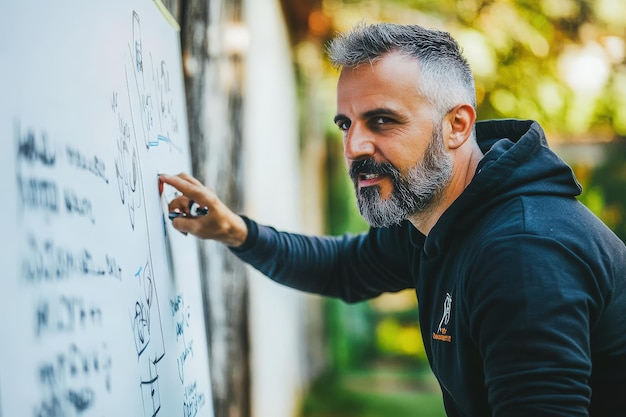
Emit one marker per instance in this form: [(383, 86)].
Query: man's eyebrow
[(380, 111), (340, 117), (370, 113)]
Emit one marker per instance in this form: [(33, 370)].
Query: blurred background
[(261, 98)]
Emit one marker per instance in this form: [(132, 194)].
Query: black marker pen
[(194, 211)]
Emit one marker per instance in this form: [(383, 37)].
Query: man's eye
[(343, 125), (381, 120)]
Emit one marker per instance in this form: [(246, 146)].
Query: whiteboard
[(101, 311)]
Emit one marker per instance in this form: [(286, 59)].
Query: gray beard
[(416, 194)]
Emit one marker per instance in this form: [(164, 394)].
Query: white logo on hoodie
[(442, 330)]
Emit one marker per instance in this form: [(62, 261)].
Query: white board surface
[(101, 309)]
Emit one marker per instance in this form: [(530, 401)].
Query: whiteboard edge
[(167, 15)]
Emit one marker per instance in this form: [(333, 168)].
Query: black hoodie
[(521, 289)]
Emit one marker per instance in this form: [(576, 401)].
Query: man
[(522, 291)]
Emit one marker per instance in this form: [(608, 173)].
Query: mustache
[(371, 166)]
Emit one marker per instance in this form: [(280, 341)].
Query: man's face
[(395, 152)]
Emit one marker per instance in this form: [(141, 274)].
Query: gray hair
[(447, 79)]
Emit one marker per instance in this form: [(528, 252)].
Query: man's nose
[(358, 144)]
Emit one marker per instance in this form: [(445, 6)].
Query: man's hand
[(219, 223)]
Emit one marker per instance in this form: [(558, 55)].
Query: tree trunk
[(213, 79)]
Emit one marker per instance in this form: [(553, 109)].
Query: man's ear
[(461, 119)]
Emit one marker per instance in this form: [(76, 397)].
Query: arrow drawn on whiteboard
[(164, 139)]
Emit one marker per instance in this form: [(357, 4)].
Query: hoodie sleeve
[(532, 304), (350, 267)]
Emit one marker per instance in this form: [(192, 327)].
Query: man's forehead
[(391, 57), (366, 92), (394, 72)]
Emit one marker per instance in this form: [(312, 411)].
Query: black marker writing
[(91, 164), (77, 205), (150, 391), (32, 148), (182, 358), (65, 314), (76, 363), (126, 165), (81, 399), (45, 261), (194, 400), (181, 315), (141, 324), (177, 306), (50, 408), (141, 327), (70, 380), (137, 42), (148, 337), (144, 104), (38, 193)]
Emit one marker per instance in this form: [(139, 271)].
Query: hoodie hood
[(517, 161)]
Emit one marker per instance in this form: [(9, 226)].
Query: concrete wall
[(272, 193)]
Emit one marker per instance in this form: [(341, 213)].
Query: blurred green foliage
[(561, 62), (604, 185), (374, 394)]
